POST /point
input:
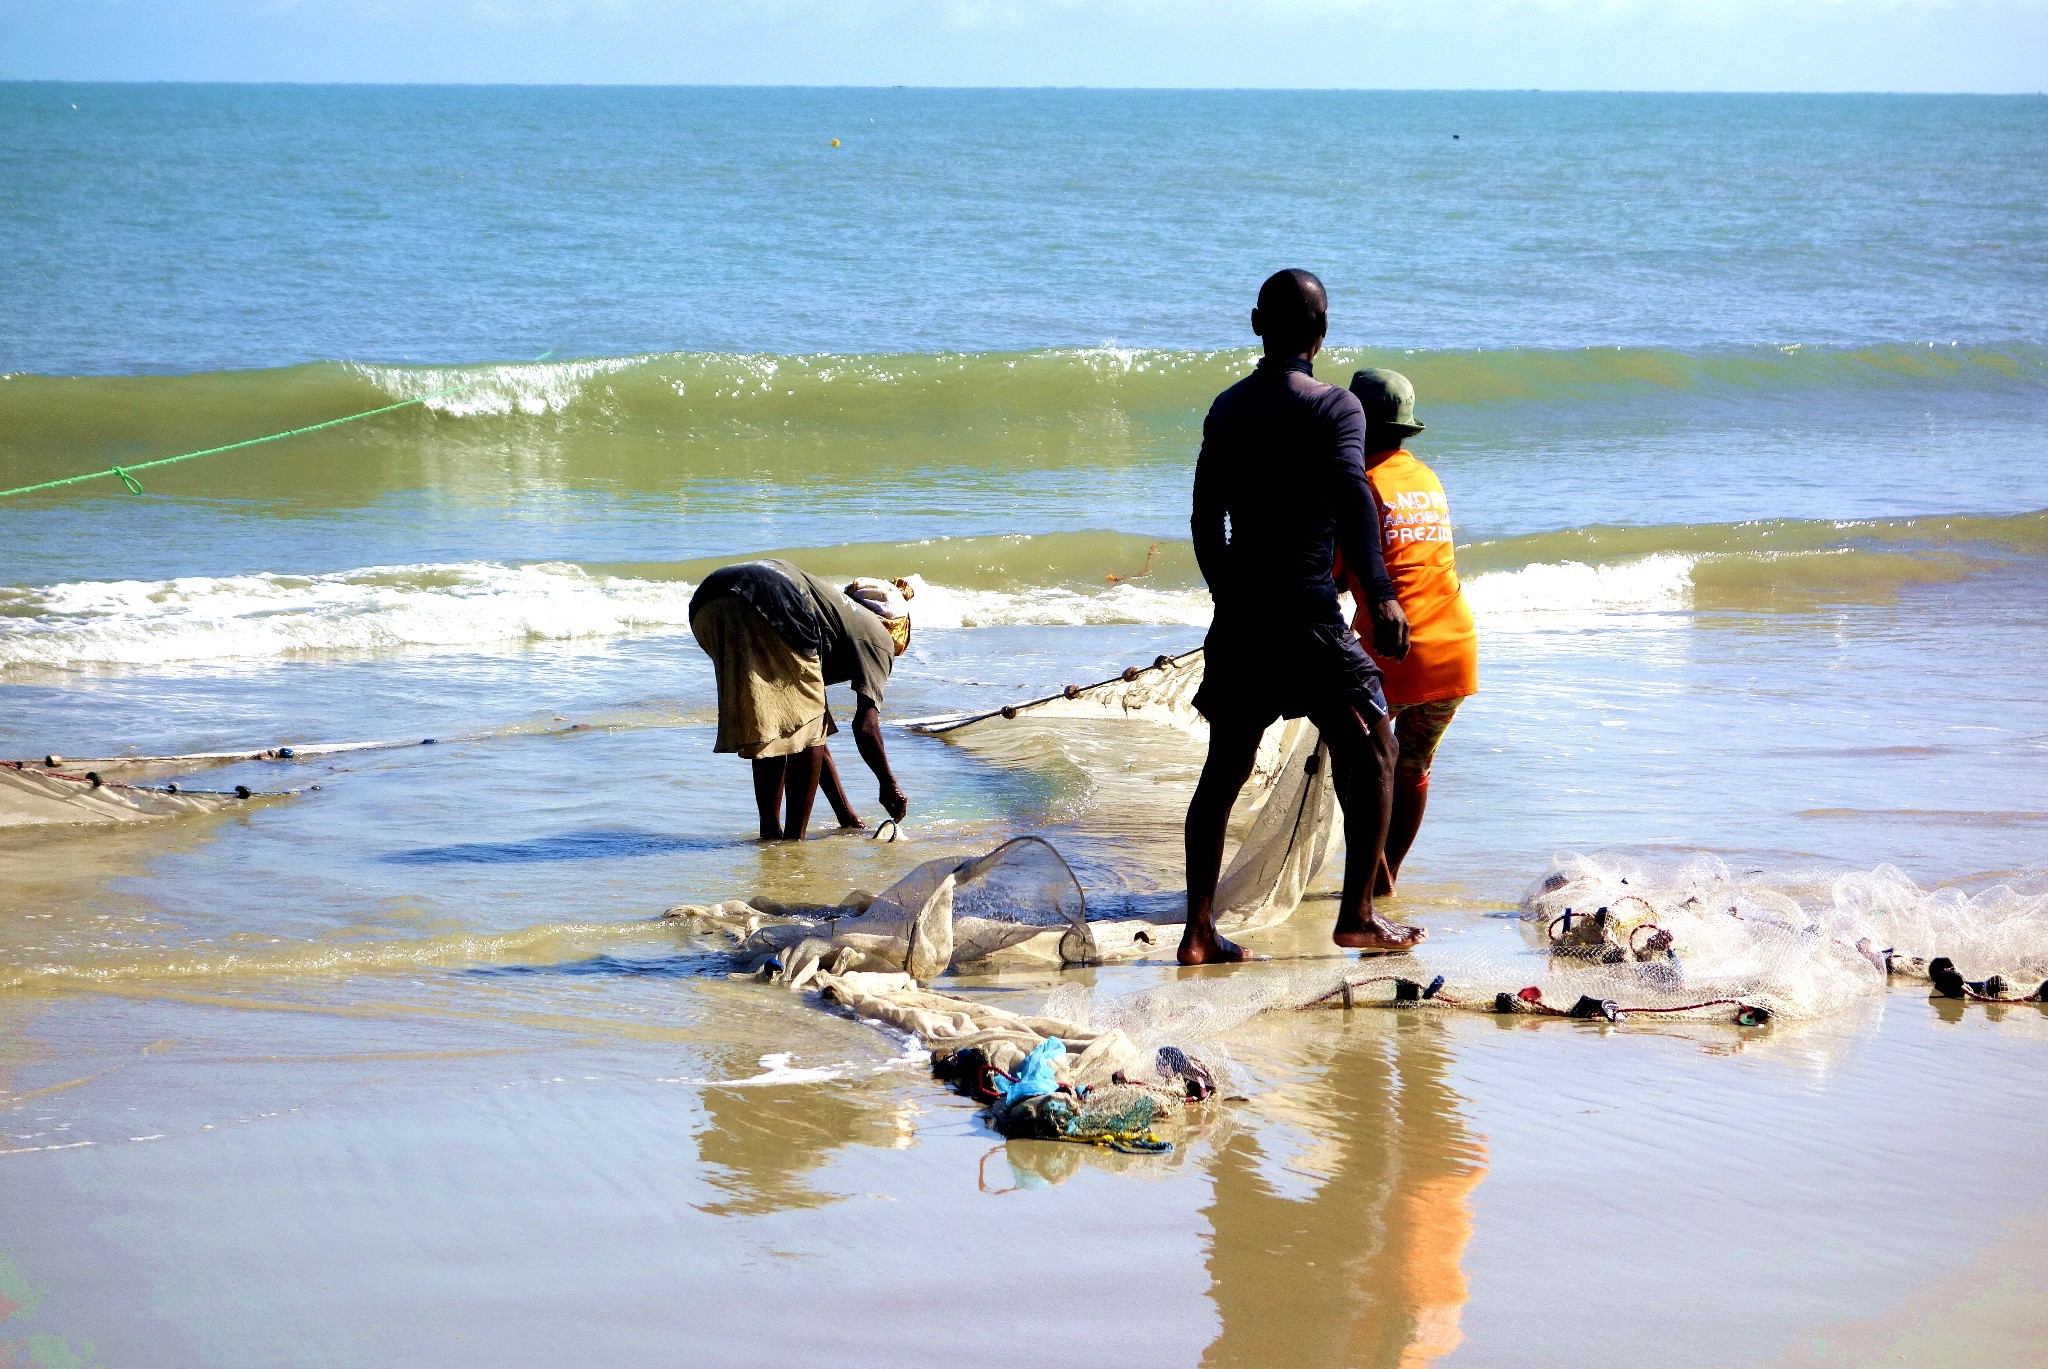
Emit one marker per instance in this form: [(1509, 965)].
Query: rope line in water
[(1530, 1000), (948, 722), (126, 473)]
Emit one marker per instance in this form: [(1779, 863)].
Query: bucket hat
[(1389, 401)]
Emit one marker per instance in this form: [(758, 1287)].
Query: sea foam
[(377, 609), (480, 605), (532, 388), (1649, 584)]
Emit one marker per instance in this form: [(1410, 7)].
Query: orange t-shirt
[(1415, 538)]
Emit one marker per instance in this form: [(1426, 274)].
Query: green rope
[(123, 473)]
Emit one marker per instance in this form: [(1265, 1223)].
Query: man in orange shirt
[(1441, 669)]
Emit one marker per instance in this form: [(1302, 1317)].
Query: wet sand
[(216, 1173)]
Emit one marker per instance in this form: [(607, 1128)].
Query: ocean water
[(1741, 403)]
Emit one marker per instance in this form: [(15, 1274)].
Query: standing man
[(1283, 463), (1441, 669), (777, 636)]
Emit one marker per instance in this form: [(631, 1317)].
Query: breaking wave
[(379, 609), (480, 606), (653, 422), (1061, 579)]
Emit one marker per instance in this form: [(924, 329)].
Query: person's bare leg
[(1232, 750), (1383, 875), (768, 773), (835, 793), (1362, 755), (1411, 798), (800, 791)]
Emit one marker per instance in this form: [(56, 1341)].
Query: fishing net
[(1598, 938), (1290, 798), (109, 789), (1018, 903), (1611, 938), (1608, 938), (1162, 692), (1021, 904), (37, 797), (1294, 824), (1797, 946), (1602, 939), (1095, 1084)]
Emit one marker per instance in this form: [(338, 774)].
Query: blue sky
[(1905, 45)]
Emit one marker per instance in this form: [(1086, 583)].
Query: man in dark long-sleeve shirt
[(1282, 463)]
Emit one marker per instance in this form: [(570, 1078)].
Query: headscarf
[(888, 600)]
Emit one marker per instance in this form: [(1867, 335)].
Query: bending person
[(1282, 463), (1441, 669), (777, 636)]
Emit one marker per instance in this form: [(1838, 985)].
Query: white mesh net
[(1610, 938), (1687, 940), (1600, 938), (1021, 904), (1162, 692), (37, 797), (1291, 797), (1020, 901), (1800, 946), (1293, 827), (1603, 938)]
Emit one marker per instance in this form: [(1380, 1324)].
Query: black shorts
[(1257, 671)]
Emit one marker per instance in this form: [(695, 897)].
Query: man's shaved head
[(1293, 312)]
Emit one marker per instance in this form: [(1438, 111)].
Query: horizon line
[(1102, 89)]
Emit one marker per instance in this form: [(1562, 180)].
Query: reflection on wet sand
[(1365, 1267), (70, 884), (67, 885), (760, 1143)]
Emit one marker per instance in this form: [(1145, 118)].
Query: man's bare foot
[(1209, 949), (853, 822), (1375, 933), (1382, 883)]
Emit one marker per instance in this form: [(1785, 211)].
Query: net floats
[(1526, 1002), (1949, 983), (1128, 675)]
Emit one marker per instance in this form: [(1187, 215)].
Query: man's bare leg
[(1363, 755), (768, 773), (1411, 797), (800, 791), (1232, 750), (835, 794)]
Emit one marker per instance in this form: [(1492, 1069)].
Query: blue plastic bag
[(1036, 1075)]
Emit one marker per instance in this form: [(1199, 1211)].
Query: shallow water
[(406, 1067)]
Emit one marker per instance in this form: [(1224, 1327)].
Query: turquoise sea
[(1741, 403)]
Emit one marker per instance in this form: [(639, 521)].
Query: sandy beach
[(398, 1060)]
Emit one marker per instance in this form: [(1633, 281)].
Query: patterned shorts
[(1418, 728)]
